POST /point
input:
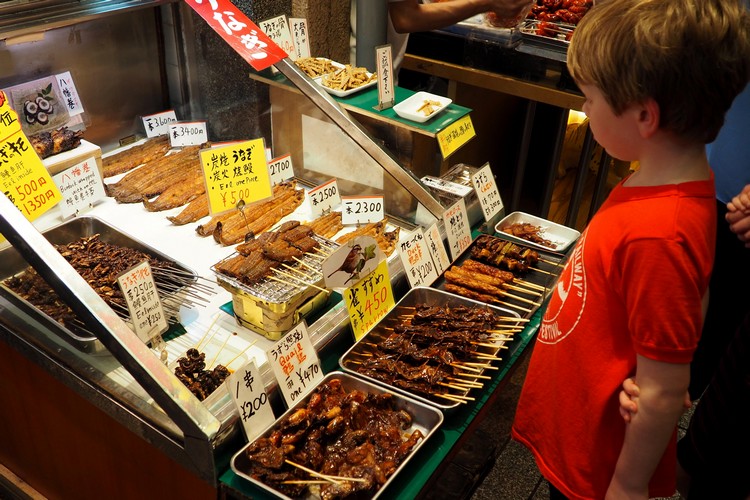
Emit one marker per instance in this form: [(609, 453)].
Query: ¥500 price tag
[(324, 197), (369, 300), (250, 399), (187, 134), (295, 364), (361, 209), (138, 287)]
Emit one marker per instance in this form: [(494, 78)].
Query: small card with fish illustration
[(40, 105)]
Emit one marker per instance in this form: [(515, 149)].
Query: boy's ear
[(648, 118)]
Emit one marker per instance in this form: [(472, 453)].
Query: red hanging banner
[(247, 39)]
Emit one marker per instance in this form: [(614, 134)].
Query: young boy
[(658, 77)]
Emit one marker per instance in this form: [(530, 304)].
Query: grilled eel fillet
[(180, 193), (386, 240), (128, 159), (209, 227), (270, 216), (154, 177), (51, 143), (327, 225), (193, 212)]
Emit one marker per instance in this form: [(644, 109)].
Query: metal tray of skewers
[(503, 273), (434, 346), (275, 284), (338, 428), (550, 34), (99, 252)]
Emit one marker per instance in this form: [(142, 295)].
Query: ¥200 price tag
[(249, 395), (142, 298), (158, 123), (324, 197), (81, 187), (236, 174), (455, 135), (417, 260), (369, 300), (437, 249), (281, 169), (187, 134), (457, 228), (361, 209), (487, 192), (295, 364)]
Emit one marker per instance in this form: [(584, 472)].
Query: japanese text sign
[(384, 64), (250, 398), (457, 228), (455, 135), (437, 249), (417, 260), (281, 169), (487, 192), (81, 187), (324, 197), (369, 300), (158, 123), (183, 134), (247, 39), (298, 27), (23, 177), (295, 364), (142, 297), (361, 209), (236, 175), (277, 30)]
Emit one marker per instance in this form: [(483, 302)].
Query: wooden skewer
[(295, 270), (529, 284), (216, 317), (305, 481), (327, 477), (514, 306), (289, 283), (464, 367), (483, 365), (243, 351), (467, 383), (453, 386), (494, 346), (537, 293), (454, 397), (484, 377), (542, 271), (522, 299), (299, 280), (305, 264), (546, 261), (220, 349)]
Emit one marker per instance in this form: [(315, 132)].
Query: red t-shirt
[(633, 285)]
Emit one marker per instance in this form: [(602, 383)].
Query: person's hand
[(629, 399), (738, 215), (508, 13)]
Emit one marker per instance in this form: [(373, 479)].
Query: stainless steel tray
[(542, 277), (13, 263), (425, 418), (560, 236), (419, 296)]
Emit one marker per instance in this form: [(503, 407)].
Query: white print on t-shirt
[(569, 294)]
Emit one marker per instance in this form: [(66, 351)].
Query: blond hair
[(691, 56)]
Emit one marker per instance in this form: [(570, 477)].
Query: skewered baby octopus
[(529, 232)]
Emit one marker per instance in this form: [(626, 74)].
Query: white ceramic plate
[(345, 93), (410, 108), (561, 236)]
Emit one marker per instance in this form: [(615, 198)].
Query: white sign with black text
[(249, 395)]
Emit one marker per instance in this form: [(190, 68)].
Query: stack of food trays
[(499, 272), (434, 346), (289, 291), (324, 445), (173, 281)]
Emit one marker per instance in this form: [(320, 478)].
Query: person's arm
[(738, 215), (409, 16), (662, 388)]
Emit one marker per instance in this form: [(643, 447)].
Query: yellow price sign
[(23, 177), (456, 135), (236, 175), (369, 300)]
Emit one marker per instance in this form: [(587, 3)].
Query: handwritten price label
[(437, 249), (187, 134), (23, 177), (295, 364), (142, 298), (362, 209), (81, 186), (300, 35), (158, 123), (369, 300), (236, 173), (457, 228), (324, 197), (417, 261), (277, 30), (250, 398), (455, 135), (487, 192), (281, 169)]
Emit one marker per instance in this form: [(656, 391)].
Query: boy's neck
[(671, 163)]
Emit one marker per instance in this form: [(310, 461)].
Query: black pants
[(555, 494)]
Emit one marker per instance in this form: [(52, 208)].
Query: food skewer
[(216, 356), (243, 351), (333, 479)]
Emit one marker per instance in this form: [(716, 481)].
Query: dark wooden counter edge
[(493, 81)]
